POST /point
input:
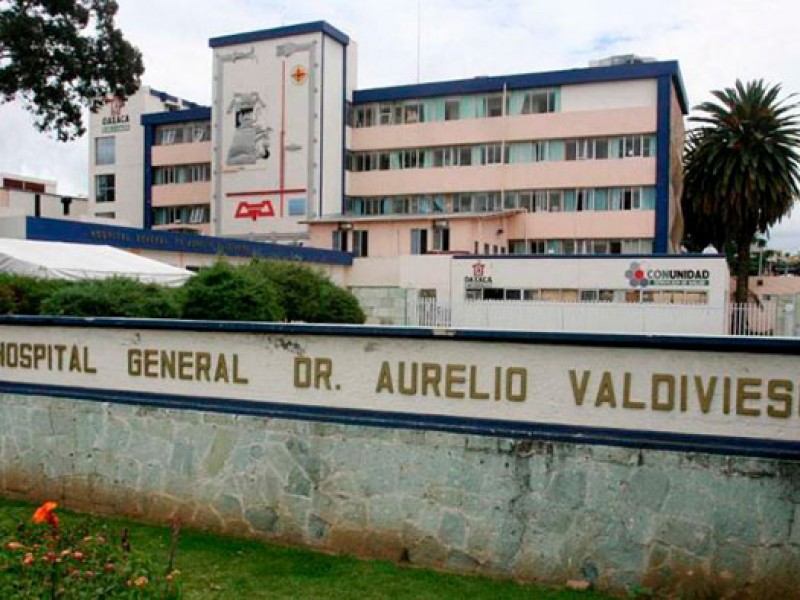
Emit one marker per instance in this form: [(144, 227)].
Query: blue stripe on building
[(56, 230)]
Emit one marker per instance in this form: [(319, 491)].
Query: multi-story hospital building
[(580, 161), (457, 191)]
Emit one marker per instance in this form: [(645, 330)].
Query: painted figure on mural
[(250, 138)]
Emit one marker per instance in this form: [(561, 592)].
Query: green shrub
[(21, 295), (84, 560), (114, 297), (307, 295), (227, 293)]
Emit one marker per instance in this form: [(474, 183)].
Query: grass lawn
[(219, 567)]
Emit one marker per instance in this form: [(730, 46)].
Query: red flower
[(45, 514)]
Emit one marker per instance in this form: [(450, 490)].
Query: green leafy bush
[(41, 559), (305, 294), (21, 295), (114, 297), (227, 293)]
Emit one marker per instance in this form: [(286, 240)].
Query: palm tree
[(741, 168)]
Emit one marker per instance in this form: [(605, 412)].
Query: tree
[(61, 56), (741, 169)]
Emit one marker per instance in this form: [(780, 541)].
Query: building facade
[(585, 161), (116, 155), (581, 161)]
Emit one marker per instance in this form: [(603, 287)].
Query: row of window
[(581, 246), (588, 295), (475, 106), (171, 215), (508, 153), (181, 174), (183, 133), (569, 200)]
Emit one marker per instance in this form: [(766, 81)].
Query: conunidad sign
[(641, 274)]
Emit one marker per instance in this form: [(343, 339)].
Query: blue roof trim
[(696, 343), (543, 432), (199, 113), (280, 32), (165, 97), (583, 256), (57, 230), (529, 80)]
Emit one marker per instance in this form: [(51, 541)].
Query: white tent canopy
[(59, 260)]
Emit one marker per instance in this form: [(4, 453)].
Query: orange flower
[(28, 560), (45, 514), (14, 546)]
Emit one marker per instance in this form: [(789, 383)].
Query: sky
[(715, 41)]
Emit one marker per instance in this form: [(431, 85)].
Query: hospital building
[(490, 197), (579, 161)]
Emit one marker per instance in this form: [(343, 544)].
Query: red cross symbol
[(255, 211), (299, 74)]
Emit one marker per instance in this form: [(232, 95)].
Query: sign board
[(499, 384)]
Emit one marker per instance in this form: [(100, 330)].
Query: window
[(413, 113), (365, 116), (105, 151), (297, 207), (494, 106), (492, 154), (581, 149), (539, 101), (452, 110), (339, 240), (441, 239), (517, 247), (104, 188), (419, 241), (360, 243)]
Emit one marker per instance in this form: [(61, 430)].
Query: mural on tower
[(266, 108)]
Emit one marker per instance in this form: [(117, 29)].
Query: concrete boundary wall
[(531, 502)]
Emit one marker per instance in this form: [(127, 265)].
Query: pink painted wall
[(181, 154), (580, 225), (617, 121), (561, 174), (179, 194)]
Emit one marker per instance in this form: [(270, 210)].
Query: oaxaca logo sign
[(117, 121), (516, 384), (480, 277), (641, 275)]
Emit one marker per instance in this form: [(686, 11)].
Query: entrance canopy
[(58, 260)]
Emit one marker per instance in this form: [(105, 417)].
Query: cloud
[(716, 42)]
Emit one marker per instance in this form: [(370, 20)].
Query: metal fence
[(428, 312), (764, 318), (758, 318)]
